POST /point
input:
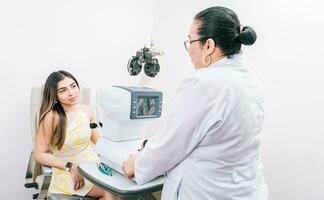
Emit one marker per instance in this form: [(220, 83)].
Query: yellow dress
[(77, 148)]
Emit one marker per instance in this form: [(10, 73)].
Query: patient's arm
[(42, 147), (43, 141), (95, 134)]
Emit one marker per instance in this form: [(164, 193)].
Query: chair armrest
[(47, 170)]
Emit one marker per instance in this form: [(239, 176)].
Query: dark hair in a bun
[(247, 36), (223, 26)]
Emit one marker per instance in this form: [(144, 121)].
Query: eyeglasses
[(187, 43), (105, 169)]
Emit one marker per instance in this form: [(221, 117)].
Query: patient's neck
[(70, 108)]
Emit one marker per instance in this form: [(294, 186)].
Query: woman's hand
[(129, 165), (78, 180)]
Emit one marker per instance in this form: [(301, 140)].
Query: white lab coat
[(208, 147)]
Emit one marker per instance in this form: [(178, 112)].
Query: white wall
[(94, 41), (288, 58)]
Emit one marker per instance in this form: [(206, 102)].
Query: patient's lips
[(73, 99)]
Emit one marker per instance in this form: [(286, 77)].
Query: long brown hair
[(50, 103)]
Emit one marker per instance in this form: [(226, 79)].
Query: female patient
[(64, 137)]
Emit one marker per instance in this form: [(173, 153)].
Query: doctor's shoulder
[(214, 76)]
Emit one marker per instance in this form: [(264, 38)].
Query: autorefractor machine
[(124, 112)]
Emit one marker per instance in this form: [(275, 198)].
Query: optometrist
[(208, 147)]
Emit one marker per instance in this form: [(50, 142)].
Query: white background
[(94, 40)]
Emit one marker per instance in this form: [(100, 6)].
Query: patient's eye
[(61, 91)]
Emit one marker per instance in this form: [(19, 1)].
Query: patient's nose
[(70, 91)]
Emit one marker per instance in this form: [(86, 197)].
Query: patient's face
[(68, 92)]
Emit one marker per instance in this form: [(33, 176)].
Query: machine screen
[(146, 106)]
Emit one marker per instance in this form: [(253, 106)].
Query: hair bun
[(247, 36)]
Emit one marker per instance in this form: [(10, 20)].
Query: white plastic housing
[(114, 111)]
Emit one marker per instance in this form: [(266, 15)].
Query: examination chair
[(38, 176)]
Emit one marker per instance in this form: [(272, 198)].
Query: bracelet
[(95, 125)]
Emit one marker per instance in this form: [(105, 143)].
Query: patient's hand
[(129, 165), (76, 177)]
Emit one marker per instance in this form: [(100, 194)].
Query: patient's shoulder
[(49, 121), (85, 108), (51, 116)]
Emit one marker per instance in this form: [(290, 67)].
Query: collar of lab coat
[(235, 60)]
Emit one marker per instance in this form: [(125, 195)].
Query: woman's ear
[(209, 45)]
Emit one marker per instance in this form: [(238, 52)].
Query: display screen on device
[(146, 106)]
